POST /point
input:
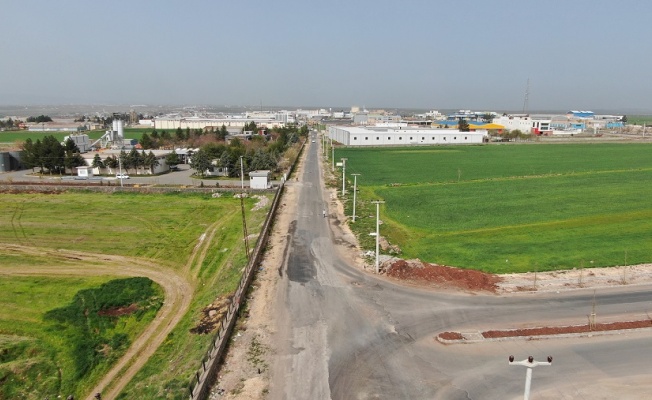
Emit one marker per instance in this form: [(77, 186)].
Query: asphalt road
[(347, 334)]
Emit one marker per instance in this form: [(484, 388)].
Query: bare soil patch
[(212, 315), (118, 311), (434, 274)]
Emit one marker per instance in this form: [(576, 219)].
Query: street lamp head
[(511, 358), (550, 359), (530, 359)]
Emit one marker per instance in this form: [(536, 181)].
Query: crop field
[(639, 120), (509, 208), (57, 250)]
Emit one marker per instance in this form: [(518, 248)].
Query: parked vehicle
[(121, 176)]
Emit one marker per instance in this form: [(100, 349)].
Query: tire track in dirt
[(178, 295)]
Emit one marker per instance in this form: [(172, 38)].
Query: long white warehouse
[(382, 136)]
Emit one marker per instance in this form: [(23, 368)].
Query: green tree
[(150, 161), (463, 126), (223, 132), (135, 159), (30, 154), (124, 160), (146, 142), (172, 158), (111, 162), (200, 163), (70, 146), (72, 160), (227, 161), (52, 154), (97, 162)]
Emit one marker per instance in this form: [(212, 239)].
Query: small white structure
[(85, 172), (260, 179)]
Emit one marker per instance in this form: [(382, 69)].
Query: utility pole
[(241, 173), (343, 175), (355, 191), (377, 233), (332, 156), (529, 363)]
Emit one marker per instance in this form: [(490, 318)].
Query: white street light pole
[(343, 175), (241, 173), (355, 190), (120, 164), (377, 234), (529, 363)]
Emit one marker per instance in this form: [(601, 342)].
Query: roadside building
[(260, 179)]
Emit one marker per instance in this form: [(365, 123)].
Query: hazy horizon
[(375, 54)]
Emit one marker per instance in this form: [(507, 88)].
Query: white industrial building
[(172, 122), (382, 136), (512, 122)]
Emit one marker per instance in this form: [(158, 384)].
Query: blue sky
[(409, 54)]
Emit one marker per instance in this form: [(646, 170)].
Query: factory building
[(383, 136), (172, 123)]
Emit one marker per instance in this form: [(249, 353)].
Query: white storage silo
[(121, 127)]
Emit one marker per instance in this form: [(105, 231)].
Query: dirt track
[(178, 294)]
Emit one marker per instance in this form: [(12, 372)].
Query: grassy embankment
[(509, 208), (164, 229)]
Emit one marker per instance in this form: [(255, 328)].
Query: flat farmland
[(509, 208), (55, 248)]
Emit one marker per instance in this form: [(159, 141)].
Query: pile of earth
[(553, 330), (211, 316), (421, 272)]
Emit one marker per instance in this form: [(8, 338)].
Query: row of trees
[(158, 139), (49, 154), (39, 119), (128, 161), (9, 123)]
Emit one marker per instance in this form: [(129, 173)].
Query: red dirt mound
[(556, 330), (421, 272)]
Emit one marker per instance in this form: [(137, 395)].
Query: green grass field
[(21, 136), (47, 347), (162, 228), (509, 208), (639, 120)]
